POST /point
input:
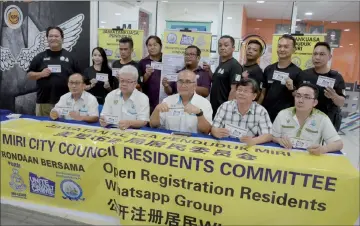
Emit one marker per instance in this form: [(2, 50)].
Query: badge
[(102, 77), (156, 65), (299, 143), (236, 132), (55, 68), (325, 82), (280, 76)]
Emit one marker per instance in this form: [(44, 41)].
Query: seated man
[(185, 111), (126, 107), (243, 118), (77, 104), (303, 126)]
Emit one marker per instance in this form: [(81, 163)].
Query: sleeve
[(235, 73), (107, 109), (205, 80), (87, 76), (265, 124), (61, 103), (208, 111), (35, 64), (276, 127), (219, 117), (143, 109), (173, 87), (140, 77), (299, 79), (162, 116), (328, 131), (340, 87), (265, 80), (93, 107), (76, 66)]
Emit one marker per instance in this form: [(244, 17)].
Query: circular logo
[(13, 16), (171, 38), (71, 190), (296, 60), (309, 64)]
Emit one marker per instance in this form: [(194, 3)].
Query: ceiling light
[(260, 2), (308, 13), (117, 14), (257, 28), (102, 26), (103, 22), (351, 44), (229, 18), (164, 1), (347, 29), (341, 46), (334, 22), (259, 20), (298, 20)]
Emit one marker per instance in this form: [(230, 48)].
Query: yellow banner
[(154, 179), (177, 41), (304, 49), (109, 40)]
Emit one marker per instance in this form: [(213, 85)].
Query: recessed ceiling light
[(103, 22), (308, 13), (117, 14), (229, 18), (164, 1), (298, 20), (259, 20), (260, 2), (334, 22), (347, 29), (341, 46), (257, 28), (351, 44)]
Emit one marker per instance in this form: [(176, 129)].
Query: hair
[(289, 37), (82, 76), (56, 28), (156, 38), (254, 41), (231, 39), (247, 82), (129, 69), (127, 40), (198, 51), (188, 71), (323, 44), (313, 87), (104, 65)]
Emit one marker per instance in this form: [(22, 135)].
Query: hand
[(106, 85), (191, 109), (250, 141), (245, 74), (54, 115), (165, 82), (163, 107), (206, 67), (289, 84), (285, 142), (102, 121), (317, 149), (124, 124), (220, 132), (149, 70), (45, 72), (93, 81), (330, 93), (75, 115)]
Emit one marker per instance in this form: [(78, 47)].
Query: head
[(128, 76), (99, 57), (253, 50), (306, 97), (246, 91), (286, 46), (321, 54), (192, 56), (76, 84), (186, 83), (226, 46), (55, 36), (126, 46), (154, 45)]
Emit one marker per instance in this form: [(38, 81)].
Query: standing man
[(331, 98), (51, 70), (203, 78), (281, 79), (251, 67), (228, 72)]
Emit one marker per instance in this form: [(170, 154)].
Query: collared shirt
[(136, 107), (176, 119), (316, 128), (256, 120), (87, 105)]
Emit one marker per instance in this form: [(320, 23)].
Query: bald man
[(77, 104), (185, 111)]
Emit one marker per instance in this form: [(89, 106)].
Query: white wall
[(150, 7), (108, 10)]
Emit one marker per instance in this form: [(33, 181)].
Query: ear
[(254, 96), (315, 103)]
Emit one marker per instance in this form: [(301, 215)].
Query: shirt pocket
[(288, 130), (173, 122), (128, 115)]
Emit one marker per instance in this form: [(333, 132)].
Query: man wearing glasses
[(203, 78), (243, 118), (305, 127), (185, 111), (126, 107), (77, 104)]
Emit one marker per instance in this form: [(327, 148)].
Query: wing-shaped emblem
[(7, 60)]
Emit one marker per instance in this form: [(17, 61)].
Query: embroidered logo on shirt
[(46, 58), (116, 101), (221, 71), (313, 123), (238, 77)]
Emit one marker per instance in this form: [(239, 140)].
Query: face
[(245, 94), (225, 47), (186, 83), (154, 48), (285, 48), (191, 57), (127, 83), (54, 39), (125, 50), (321, 56), (305, 99), (253, 51), (76, 84), (97, 58)]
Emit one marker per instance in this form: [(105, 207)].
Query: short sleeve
[(208, 111), (299, 78), (265, 124), (143, 109), (61, 103), (276, 126), (204, 80), (340, 87), (328, 131), (93, 107), (107, 109), (35, 64), (236, 72), (265, 76), (86, 76), (219, 117)]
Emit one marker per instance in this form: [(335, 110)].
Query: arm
[(35, 75), (205, 121), (93, 113), (265, 138), (262, 95), (232, 94), (142, 117), (155, 119), (89, 119), (339, 99), (204, 84), (202, 91), (334, 146), (265, 127), (331, 137)]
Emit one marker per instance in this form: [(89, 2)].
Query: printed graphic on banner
[(109, 40), (41, 185)]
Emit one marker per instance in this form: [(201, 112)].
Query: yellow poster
[(304, 49), (109, 40)]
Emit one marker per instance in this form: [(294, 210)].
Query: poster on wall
[(317, 29), (109, 40), (304, 49), (333, 37)]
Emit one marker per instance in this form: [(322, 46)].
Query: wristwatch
[(200, 113)]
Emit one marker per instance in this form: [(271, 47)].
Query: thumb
[(313, 146)]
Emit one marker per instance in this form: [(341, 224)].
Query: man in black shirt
[(331, 98), (281, 79), (228, 71), (51, 70)]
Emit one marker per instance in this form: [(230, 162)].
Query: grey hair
[(129, 69)]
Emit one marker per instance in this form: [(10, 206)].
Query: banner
[(109, 40), (161, 179), (304, 49)]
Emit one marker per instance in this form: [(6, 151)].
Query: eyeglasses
[(190, 54), (247, 92), (126, 82), (186, 82), (75, 83), (304, 97)]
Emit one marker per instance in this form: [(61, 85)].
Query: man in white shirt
[(126, 107), (243, 118), (77, 104), (305, 127), (185, 111)]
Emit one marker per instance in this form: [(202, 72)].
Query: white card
[(299, 143), (64, 110), (325, 82), (172, 77), (156, 65), (280, 76), (112, 119), (115, 71), (55, 68), (235, 131), (176, 111), (102, 77)]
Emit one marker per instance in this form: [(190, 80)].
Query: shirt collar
[(132, 96), (250, 111), (81, 97), (180, 99), (293, 111)]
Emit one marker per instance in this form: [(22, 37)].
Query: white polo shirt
[(87, 105), (176, 119), (136, 107), (317, 127)]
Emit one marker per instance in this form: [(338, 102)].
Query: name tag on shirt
[(55, 68), (156, 65), (102, 77), (325, 82), (112, 119), (172, 77), (64, 110), (176, 111), (280, 76), (299, 143), (115, 71), (235, 131)]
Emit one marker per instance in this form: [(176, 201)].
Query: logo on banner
[(71, 190), (186, 40), (296, 60), (246, 156), (41, 185), (13, 16), (16, 182), (172, 38)]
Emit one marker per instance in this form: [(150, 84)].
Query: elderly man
[(303, 126), (243, 118), (185, 111), (126, 107), (77, 104)]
